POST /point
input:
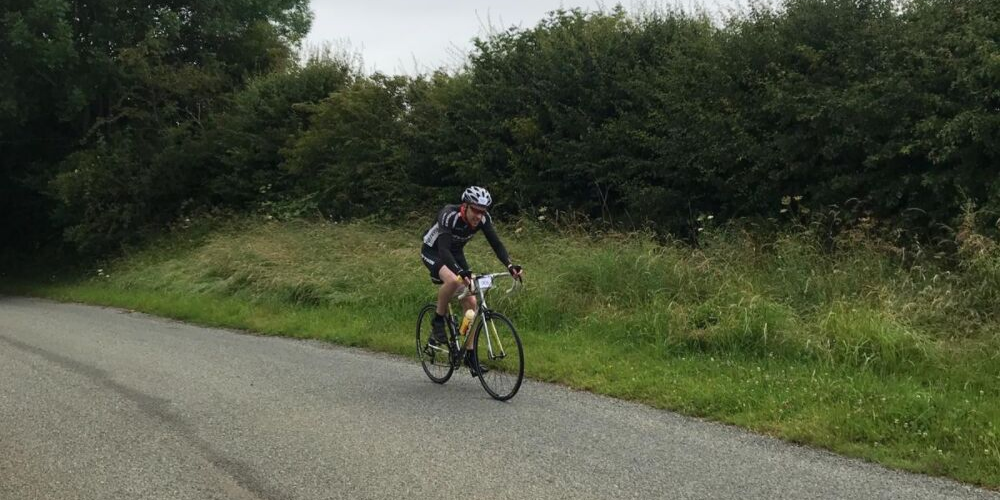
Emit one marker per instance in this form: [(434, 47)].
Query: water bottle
[(467, 321)]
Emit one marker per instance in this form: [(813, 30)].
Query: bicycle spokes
[(435, 358), (496, 358), (432, 350), (498, 350)]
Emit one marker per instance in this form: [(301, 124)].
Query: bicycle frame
[(498, 364), (493, 344)]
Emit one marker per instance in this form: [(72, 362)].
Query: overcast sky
[(409, 36)]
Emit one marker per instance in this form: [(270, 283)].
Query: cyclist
[(442, 252)]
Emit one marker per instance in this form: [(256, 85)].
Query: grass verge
[(848, 350)]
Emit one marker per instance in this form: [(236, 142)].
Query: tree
[(92, 79)]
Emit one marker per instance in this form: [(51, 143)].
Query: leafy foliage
[(108, 93), (875, 109), (352, 159)]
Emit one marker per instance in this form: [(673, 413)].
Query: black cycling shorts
[(433, 262)]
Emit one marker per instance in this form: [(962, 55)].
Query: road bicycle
[(499, 356)]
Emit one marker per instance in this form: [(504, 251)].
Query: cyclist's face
[(474, 214)]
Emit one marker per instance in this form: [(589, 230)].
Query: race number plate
[(484, 282)]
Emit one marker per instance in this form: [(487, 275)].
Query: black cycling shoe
[(437, 332), (471, 363)]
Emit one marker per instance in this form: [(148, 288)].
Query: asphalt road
[(100, 403)]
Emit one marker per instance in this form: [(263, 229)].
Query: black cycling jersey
[(446, 240)]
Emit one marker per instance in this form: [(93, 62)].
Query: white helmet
[(477, 196)]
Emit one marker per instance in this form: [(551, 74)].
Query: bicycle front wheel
[(498, 350), (436, 359)]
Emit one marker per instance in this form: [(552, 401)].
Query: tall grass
[(855, 349)]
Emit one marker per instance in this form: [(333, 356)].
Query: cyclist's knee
[(470, 302), (445, 275)]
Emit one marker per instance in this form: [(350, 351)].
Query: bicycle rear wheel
[(436, 360), (498, 349)]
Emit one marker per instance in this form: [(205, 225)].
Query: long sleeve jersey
[(450, 233)]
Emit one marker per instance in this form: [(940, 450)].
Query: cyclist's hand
[(515, 271), (466, 276)]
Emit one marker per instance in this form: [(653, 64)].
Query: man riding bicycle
[(443, 254)]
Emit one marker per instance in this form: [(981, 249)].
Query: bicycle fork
[(493, 344)]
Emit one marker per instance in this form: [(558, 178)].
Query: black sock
[(438, 317)]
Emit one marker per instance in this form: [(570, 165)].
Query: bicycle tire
[(436, 363), (506, 373)]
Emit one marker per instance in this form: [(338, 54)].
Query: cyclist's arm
[(495, 243), (444, 251), (446, 222)]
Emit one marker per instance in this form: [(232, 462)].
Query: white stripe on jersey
[(450, 221), (432, 235), (454, 220)]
